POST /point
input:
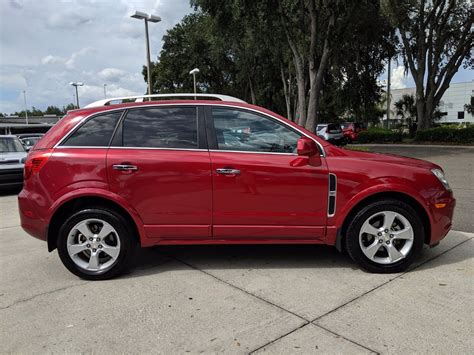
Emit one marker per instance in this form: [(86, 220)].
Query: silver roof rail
[(140, 98)]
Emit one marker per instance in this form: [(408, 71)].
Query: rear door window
[(95, 132), (163, 127)]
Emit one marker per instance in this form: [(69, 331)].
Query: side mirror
[(306, 147)]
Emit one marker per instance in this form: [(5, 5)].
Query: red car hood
[(386, 158)]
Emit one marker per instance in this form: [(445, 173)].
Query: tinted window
[(334, 128), (244, 131), (96, 132), (164, 127)]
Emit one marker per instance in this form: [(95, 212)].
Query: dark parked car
[(29, 142)]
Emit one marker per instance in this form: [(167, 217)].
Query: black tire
[(353, 246), (127, 246)]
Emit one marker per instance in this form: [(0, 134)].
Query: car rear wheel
[(385, 236), (95, 244)]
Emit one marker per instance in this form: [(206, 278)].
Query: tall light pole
[(105, 92), (388, 91), (26, 107), (193, 73), (147, 18), (77, 93)]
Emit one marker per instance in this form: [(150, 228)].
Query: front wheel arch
[(76, 204), (342, 232)]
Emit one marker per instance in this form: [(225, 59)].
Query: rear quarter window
[(95, 132)]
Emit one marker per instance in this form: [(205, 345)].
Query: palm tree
[(405, 109)]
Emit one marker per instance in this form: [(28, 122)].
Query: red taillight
[(34, 162)]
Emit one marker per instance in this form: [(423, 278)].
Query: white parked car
[(12, 160), (331, 132)]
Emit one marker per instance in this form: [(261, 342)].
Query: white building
[(451, 104)]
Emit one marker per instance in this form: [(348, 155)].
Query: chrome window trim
[(146, 148), (322, 154), (249, 152)]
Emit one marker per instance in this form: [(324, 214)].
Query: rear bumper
[(31, 222)]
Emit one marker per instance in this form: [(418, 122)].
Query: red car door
[(259, 189), (160, 164)]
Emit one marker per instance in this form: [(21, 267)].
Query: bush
[(446, 134), (379, 135)]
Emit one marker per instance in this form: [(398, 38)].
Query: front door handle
[(228, 171), (125, 167)]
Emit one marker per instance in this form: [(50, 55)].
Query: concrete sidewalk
[(235, 299)]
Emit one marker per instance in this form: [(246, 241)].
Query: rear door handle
[(124, 167), (228, 171)]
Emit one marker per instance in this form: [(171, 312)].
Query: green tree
[(470, 107), (67, 108), (312, 40), (53, 110), (405, 109), (436, 38)]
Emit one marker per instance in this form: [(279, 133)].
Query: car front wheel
[(385, 236), (95, 244)]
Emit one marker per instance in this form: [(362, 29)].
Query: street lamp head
[(154, 18), (76, 84), (139, 15), (194, 71)]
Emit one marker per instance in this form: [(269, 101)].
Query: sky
[(46, 44)]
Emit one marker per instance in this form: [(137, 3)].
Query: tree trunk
[(286, 93), (252, 92), (301, 85), (316, 74)]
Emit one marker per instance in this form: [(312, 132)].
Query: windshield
[(10, 145)]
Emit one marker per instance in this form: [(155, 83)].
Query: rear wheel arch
[(388, 195), (78, 203)]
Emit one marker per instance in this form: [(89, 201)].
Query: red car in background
[(351, 130), (111, 177)]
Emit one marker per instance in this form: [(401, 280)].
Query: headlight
[(440, 175)]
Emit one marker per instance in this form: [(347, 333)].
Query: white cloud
[(92, 41), (398, 78), (112, 74)]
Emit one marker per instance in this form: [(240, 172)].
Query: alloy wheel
[(386, 237), (93, 245)]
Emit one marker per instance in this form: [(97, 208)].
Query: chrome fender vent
[(332, 195)]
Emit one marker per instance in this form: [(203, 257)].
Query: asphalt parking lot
[(244, 299)]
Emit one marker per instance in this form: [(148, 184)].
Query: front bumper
[(441, 218)]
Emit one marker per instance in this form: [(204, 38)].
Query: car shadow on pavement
[(149, 261), (221, 257)]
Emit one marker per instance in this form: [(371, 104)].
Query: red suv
[(351, 131), (110, 177)]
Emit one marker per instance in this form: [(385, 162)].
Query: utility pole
[(26, 107), (147, 18), (388, 91), (105, 92), (77, 93)]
